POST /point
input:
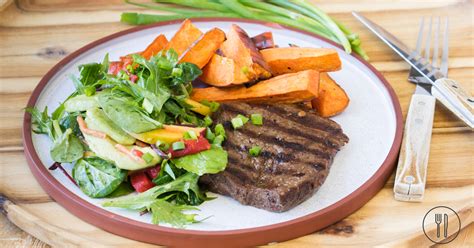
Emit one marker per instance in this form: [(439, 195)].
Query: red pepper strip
[(191, 147), (126, 61), (137, 153), (141, 182), (153, 171), (115, 67)]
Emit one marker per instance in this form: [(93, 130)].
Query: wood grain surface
[(36, 34)]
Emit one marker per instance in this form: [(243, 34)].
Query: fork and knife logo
[(441, 218), (441, 224)]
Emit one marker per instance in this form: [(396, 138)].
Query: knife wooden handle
[(461, 100), (410, 178)]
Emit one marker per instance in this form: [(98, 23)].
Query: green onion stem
[(238, 8), (143, 19), (326, 20), (279, 11), (307, 9), (200, 4), (162, 8)]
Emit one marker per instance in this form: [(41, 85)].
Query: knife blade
[(449, 91)]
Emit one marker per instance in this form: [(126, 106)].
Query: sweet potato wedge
[(264, 40), (293, 59), (184, 38), (293, 87), (202, 50), (243, 51), (155, 47), (332, 99), (222, 71)]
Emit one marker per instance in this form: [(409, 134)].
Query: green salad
[(129, 127)]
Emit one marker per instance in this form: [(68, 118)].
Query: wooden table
[(35, 35)]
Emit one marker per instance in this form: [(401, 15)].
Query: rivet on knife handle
[(458, 96), (410, 178)]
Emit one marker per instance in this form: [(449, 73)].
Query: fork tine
[(419, 40), (434, 61), (444, 56), (428, 42)]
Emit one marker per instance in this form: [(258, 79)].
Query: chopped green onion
[(218, 140), (255, 151), (176, 72), (256, 119), (210, 135), (147, 105), (129, 68), (190, 135), (89, 90), (147, 157), (207, 120), (237, 122), (214, 106), (162, 146), (178, 145), (243, 118), (219, 130)]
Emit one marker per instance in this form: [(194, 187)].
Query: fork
[(450, 87), (438, 220), (414, 76)]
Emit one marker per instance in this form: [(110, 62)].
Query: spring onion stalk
[(279, 11), (313, 12), (163, 8), (294, 13), (200, 4)]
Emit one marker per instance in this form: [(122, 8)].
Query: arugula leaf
[(42, 124), (66, 146), (165, 212), (210, 161), (90, 73), (126, 114), (97, 177), (186, 183)]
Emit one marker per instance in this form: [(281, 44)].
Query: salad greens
[(126, 114), (186, 183), (210, 161), (117, 127), (97, 177), (66, 146)]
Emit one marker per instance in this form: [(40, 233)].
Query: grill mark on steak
[(308, 121), (327, 139), (294, 146), (292, 164)]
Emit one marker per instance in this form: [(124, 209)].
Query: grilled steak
[(297, 151)]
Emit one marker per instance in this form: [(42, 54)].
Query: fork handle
[(452, 95), (410, 177)]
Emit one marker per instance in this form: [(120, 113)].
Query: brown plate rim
[(150, 233)]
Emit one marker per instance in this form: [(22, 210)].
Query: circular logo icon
[(441, 225)]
